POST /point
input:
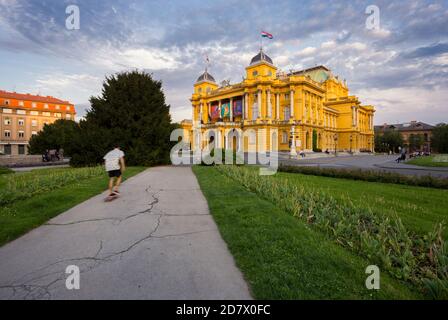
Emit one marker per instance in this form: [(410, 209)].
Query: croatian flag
[(265, 34)]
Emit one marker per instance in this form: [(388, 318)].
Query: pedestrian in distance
[(115, 166)]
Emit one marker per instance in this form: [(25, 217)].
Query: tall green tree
[(439, 139), (416, 141), (390, 140), (131, 113), (58, 135)]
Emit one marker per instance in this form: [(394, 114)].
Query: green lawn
[(419, 208), (281, 256), (4, 170), (430, 161), (22, 215)]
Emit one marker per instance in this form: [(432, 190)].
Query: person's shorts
[(114, 173)]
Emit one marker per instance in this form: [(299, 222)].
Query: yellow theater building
[(307, 110)]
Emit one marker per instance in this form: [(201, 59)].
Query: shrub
[(369, 175), (422, 260)]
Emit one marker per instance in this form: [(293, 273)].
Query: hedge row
[(369, 175)]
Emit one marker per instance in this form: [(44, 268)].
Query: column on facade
[(246, 106), (277, 105), (259, 103), (292, 104), (269, 104)]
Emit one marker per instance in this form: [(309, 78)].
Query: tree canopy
[(439, 139)]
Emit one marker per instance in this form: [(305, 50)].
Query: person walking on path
[(115, 166)]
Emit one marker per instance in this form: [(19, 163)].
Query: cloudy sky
[(401, 67)]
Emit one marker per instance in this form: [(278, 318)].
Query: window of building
[(287, 96), (7, 134), (33, 133), (46, 114), (21, 122), (255, 111), (34, 123), (7, 121), (68, 116), (58, 115), (34, 113), (46, 106), (255, 73), (21, 134), (7, 102), (21, 103), (34, 105), (58, 107), (7, 110), (287, 113), (7, 149), (269, 73), (67, 108), (21, 149), (21, 111), (285, 137)]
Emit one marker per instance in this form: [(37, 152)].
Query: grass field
[(46, 197), (430, 161), (281, 256), (419, 208), (4, 170)]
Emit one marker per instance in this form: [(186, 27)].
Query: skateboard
[(111, 198)]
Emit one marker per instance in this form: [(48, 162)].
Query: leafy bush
[(369, 175), (422, 260)]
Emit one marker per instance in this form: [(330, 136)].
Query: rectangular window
[(21, 134), (33, 133), (285, 137), (34, 123), (67, 108), (255, 111), (21, 149), (34, 105), (7, 110), (21, 103), (34, 113), (58, 115), (7, 149), (21, 111), (21, 122), (46, 106), (287, 113), (7, 121), (46, 114), (68, 116), (7, 134), (57, 107)]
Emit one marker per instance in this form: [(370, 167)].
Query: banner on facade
[(215, 111), (225, 110), (237, 108)]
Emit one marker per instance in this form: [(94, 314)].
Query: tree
[(439, 139), (131, 113), (390, 140), (416, 141), (58, 135)]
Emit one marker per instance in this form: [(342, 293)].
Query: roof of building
[(408, 126), (30, 97), (261, 56), (206, 77), (317, 73)]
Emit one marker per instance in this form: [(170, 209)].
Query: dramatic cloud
[(406, 55)]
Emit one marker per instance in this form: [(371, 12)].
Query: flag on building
[(237, 107), (265, 34), (215, 111), (225, 110)]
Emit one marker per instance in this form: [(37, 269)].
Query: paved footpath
[(158, 241)]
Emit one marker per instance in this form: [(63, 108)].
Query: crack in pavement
[(37, 291)]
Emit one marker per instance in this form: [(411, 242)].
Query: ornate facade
[(305, 110)]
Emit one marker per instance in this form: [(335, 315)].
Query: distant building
[(408, 129), (24, 115)]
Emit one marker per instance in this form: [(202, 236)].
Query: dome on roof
[(261, 56), (206, 77)]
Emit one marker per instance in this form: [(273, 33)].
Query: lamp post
[(351, 139), (336, 145)]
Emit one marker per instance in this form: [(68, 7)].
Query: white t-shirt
[(112, 159)]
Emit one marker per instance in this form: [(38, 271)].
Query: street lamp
[(336, 145), (351, 139)]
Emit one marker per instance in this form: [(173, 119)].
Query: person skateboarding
[(115, 166)]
